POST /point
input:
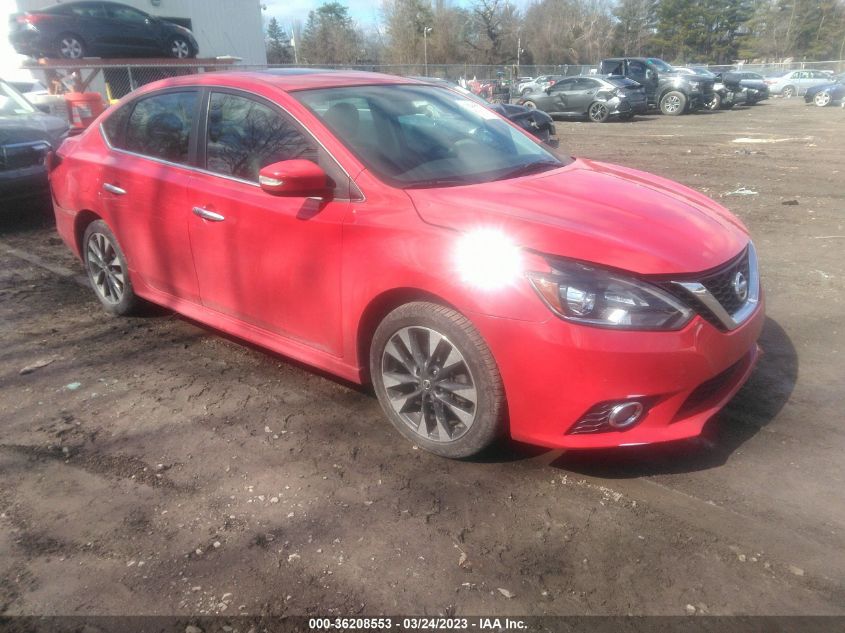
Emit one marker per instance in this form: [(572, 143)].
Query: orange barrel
[(83, 108)]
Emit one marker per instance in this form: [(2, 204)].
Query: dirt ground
[(155, 467)]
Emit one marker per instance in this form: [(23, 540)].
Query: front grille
[(22, 155), (719, 283)]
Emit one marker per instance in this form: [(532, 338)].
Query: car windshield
[(426, 136), (660, 65), (13, 103)]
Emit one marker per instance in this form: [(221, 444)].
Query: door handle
[(205, 214), (113, 189)]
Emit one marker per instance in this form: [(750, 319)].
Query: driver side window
[(563, 85)]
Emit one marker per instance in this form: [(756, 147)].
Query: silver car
[(539, 84), (796, 82)]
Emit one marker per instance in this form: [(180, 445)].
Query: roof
[(289, 79)]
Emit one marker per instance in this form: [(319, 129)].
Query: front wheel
[(715, 102), (179, 48), (822, 99), (107, 270), (673, 103), (598, 112), (436, 380), (530, 105)]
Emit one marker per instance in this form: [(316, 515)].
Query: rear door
[(585, 94), (270, 261), (560, 97), (144, 187)]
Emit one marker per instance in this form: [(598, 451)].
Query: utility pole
[(426, 31), (293, 43), (518, 51)]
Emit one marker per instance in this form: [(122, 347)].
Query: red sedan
[(398, 233)]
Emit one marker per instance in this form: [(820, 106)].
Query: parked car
[(74, 30), (671, 91), (534, 122), (748, 87), (827, 94), (27, 135), (539, 84), (796, 82), (399, 233), (596, 98), (722, 98)]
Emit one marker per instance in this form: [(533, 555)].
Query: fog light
[(625, 414)]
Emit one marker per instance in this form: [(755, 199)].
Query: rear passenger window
[(160, 126), (245, 135), (115, 125)]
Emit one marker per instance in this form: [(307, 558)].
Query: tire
[(788, 92), (70, 46), (822, 99), (437, 414), (525, 91), (107, 270), (673, 103), (628, 116), (598, 112), (530, 104), (179, 48), (715, 102)]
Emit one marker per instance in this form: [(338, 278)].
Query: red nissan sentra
[(394, 232)]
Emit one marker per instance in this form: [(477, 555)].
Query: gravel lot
[(155, 467)]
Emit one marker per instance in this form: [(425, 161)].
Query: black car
[(666, 88), (532, 121), (596, 98), (26, 137), (749, 87), (75, 30)]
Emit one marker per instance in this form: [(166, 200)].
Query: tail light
[(31, 18)]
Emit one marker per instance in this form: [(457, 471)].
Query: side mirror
[(297, 178)]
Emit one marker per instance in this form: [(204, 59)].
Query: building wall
[(222, 27)]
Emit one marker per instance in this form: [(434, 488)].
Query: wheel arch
[(82, 221), (378, 308)]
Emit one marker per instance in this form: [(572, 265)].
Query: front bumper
[(555, 371)]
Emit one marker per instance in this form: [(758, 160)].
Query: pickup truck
[(666, 88)]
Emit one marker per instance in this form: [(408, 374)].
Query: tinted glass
[(160, 126), (425, 136), (115, 125), (245, 135), (564, 84), (636, 69), (587, 84), (125, 14)]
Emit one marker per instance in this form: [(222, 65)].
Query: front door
[(270, 261), (130, 31)]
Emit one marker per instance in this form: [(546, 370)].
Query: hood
[(595, 212), (32, 127)]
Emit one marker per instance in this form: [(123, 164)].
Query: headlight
[(604, 298)]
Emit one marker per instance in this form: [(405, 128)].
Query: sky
[(365, 12)]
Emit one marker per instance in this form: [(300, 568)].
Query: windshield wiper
[(530, 168)]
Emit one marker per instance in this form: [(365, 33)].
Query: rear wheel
[(107, 270), (70, 46), (598, 112), (673, 103), (436, 380), (788, 92), (822, 99), (530, 105)]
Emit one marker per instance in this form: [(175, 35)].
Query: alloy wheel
[(788, 92), (105, 269), (179, 48), (70, 48), (822, 99), (672, 104), (429, 384), (598, 112)]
